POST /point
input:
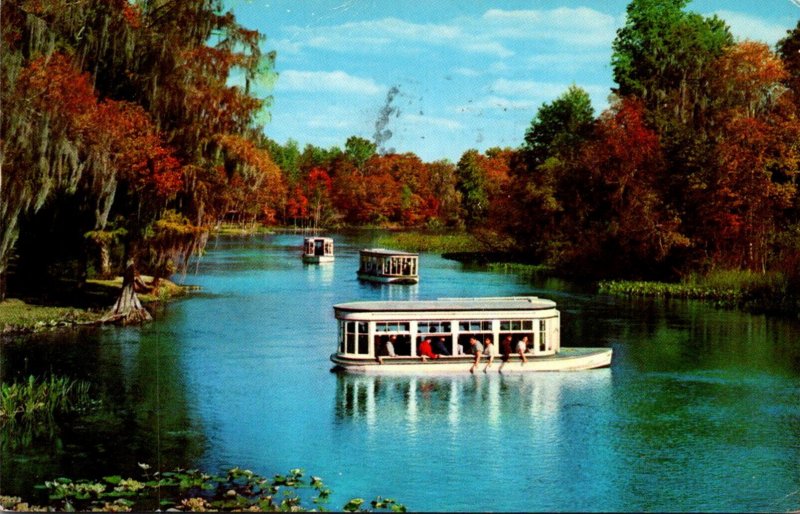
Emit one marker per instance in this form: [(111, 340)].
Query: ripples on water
[(699, 411)]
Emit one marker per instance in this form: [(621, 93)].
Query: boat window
[(524, 324), (543, 336), (392, 327), (363, 342), (516, 339), (350, 336), (341, 336), (474, 326), (430, 327)]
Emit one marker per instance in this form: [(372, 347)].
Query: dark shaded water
[(699, 411)]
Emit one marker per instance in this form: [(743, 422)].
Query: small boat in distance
[(388, 266), (318, 249), (437, 336)]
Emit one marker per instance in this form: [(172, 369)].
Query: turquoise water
[(700, 410)]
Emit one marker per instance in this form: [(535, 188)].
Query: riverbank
[(97, 296), (748, 291), (752, 292)]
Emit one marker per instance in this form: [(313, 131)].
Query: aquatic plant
[(192, 490), (418, 241), (728, 288), (36, 400), (519, 268)]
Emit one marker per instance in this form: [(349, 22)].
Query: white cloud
[(484, 35), (488, 47), (744, 26), (372, 35), (582, 25), (527, 88), (521, 95), (331, 81), (567, 59), (545, 90)]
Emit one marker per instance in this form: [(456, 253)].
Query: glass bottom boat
[(457, 335)]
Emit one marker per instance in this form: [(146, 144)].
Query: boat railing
[(488, 298)]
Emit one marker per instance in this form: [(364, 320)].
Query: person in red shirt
[(425, 349)]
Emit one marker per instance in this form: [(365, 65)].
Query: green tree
[(662, 53), (471, 183), (789, 51), (443, 186), (552, 142), (359, 150), (559, 127)]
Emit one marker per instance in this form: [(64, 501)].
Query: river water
[(700, 410)]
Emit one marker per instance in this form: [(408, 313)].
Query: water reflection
[(699, 410), (319, 274), (374, 400), (141, 412)]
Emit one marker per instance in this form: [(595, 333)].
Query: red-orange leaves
[(625, 160), (54, 85), (132, 15), (125, 133), (255, 182), (748, 77), (113, 137)]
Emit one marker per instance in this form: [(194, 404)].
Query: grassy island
[(760, 292), (18, 316)]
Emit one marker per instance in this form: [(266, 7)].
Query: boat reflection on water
[(319, 274), (492, 400)]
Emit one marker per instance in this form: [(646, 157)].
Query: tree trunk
[(128, 309), (105, 260)]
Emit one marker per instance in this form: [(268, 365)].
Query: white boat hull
[(389, 279), (317, 259), (568, 359)]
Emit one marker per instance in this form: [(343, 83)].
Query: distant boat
[(318, 249), (393, 337), (388, 266)]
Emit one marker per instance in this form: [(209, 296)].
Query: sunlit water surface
[(699, 411)]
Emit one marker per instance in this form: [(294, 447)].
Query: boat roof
[(384, 251), (319, 238), (513, 303)]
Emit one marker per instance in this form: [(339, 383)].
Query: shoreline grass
[(421, 241), (758, 292), (19, 317), (16, 316), (520, 268)]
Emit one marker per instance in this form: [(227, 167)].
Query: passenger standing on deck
[(505, 352), (477, 350), (488, 347), (522, 347)]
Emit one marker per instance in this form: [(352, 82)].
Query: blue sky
[(445, 76)]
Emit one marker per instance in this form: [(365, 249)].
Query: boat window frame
[(400, 330), (354, 338), (543, 343), (439, 327), (469, 329), (520, 327)]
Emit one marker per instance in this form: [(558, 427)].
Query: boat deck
[(568, 359)]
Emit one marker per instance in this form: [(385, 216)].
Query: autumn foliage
[(123, 125)]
